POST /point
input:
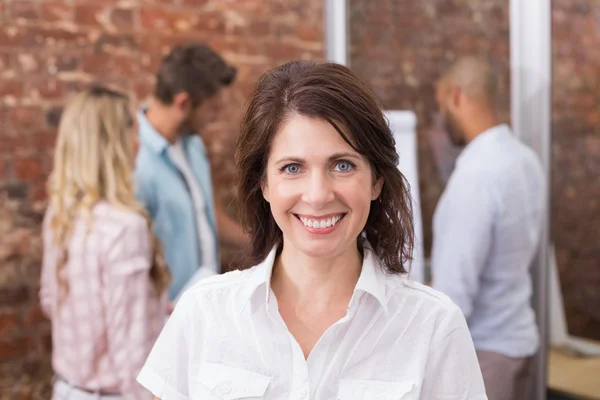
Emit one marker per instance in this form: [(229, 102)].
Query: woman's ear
[(264, 188), (377, 187)]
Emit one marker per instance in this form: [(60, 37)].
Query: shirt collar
[(372, 279), (480, 141), (149, 136)]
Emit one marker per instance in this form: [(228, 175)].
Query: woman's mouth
[(324, 224)]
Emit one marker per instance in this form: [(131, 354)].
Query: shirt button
[(302, 394), (226, 387)]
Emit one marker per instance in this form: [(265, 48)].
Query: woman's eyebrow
[(335, 156)]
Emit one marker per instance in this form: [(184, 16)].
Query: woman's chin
[(322, 249)]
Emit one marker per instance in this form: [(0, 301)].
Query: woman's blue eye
[(292, 168), (344, 166)]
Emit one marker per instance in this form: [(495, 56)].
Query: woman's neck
[(303, 280)]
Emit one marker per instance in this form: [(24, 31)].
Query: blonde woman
[(103, 278)]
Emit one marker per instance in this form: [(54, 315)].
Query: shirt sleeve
[(130, 305), (167, 370), (144, 192), (462, 238), (452, 371)]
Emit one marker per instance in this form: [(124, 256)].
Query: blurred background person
[(487, 228), (173, 172), (103, 281)]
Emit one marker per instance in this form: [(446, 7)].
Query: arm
[(452, 370), (167, 368), (463, 227), (132, 307), (144, 193), (229, 230)]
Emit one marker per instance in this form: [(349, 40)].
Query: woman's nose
[(318, 191)]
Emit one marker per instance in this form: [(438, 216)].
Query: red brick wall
[(576, 159), (401, 47), (50, 49)]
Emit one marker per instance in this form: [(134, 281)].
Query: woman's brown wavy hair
[(330, 92)]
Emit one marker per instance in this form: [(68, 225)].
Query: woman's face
[(319, 189)]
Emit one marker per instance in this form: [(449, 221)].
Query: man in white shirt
[(487, 228)]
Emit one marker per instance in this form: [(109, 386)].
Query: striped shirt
[(104, 328)]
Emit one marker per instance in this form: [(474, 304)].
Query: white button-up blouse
[(399, 340)]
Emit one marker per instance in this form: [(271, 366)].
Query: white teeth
[(320, 224)]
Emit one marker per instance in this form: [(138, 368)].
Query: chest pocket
[(375, 390), (216, 381)]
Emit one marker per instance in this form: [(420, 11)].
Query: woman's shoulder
[(217, 293), (430, 301), (228, 281), (110, 218)]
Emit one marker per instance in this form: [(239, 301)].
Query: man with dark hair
[(172, 169), (487, 227)]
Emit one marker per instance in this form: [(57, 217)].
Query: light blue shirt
[(486, 231), (163, 190)]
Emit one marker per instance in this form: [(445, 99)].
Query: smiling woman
[(325, 312)]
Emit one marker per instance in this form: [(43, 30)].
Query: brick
[(8, 321), (57, 11), (9, 37), (47, 89), (122, 18), (309, 32), (116, 43), (24, 118), (63, 63), (103, 64), (181, 21), (23, 9), (11, 349), (3, 170), (242, 5), (5, 60), (194, 3), (104, 16), (11, 88), (29, 63), (47, 343), (34, 316), (90, 14), (16, 191), (13, 296), (258, 27), (12, 143), (245, 46), (43, 140), (39, 190), (27, 169), (280, 51), (36, 37)]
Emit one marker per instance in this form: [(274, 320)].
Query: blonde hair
[(93, 161)]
